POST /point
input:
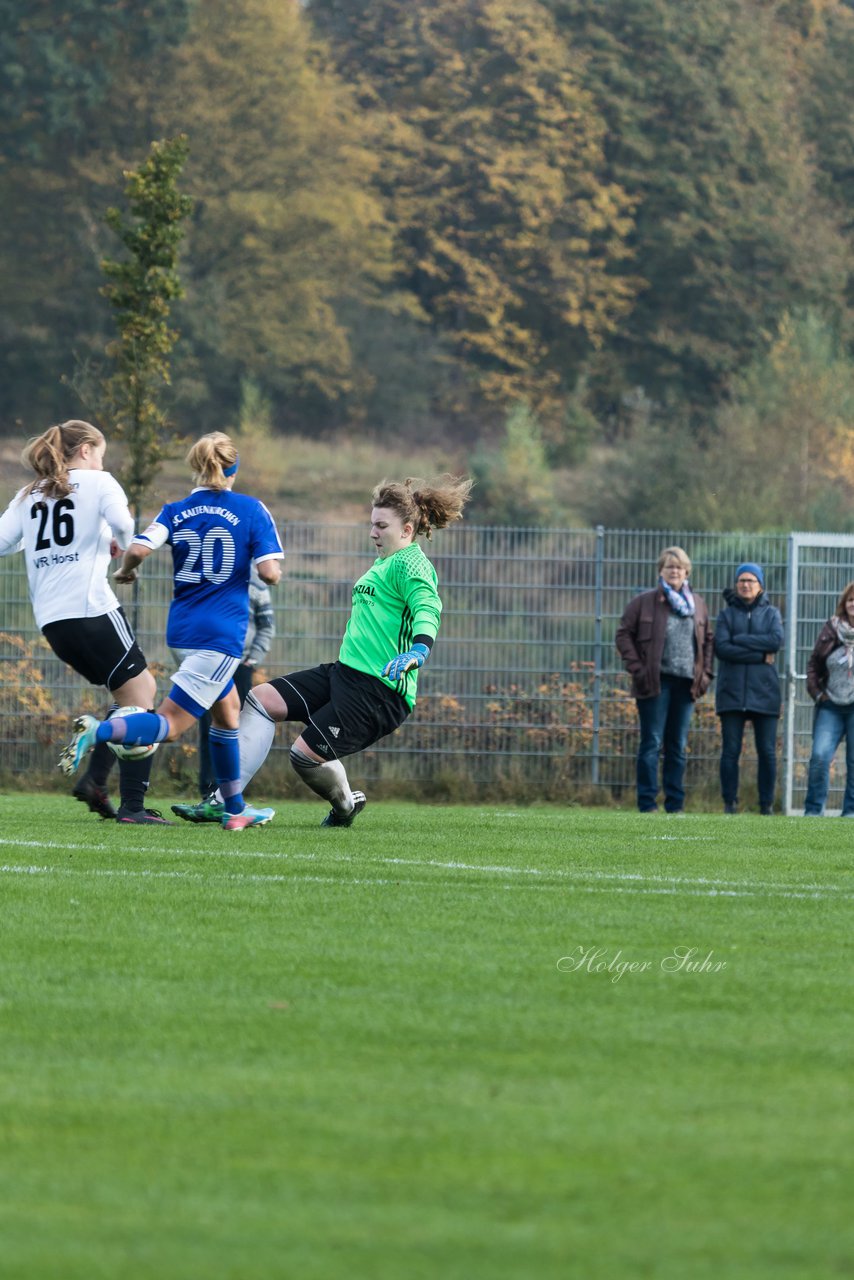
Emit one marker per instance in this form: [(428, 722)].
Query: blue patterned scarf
[(681, 602)]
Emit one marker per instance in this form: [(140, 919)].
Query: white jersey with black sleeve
[(66, 542)]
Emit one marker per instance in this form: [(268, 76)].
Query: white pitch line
[(124, 873), (614, 883), (146, 873), (706, 883)]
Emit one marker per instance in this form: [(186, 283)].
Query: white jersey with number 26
[(66, 542)]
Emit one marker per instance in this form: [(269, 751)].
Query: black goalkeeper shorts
[(343, 710)]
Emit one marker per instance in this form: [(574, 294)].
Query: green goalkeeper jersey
[(395, 601)]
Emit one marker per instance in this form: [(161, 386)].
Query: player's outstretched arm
[(131, 560)]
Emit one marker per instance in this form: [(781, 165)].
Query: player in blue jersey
[(215, 536)]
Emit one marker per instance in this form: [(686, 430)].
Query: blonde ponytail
[(50, 453), (209, 458)]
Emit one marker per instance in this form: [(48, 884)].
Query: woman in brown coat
[(667, 646)]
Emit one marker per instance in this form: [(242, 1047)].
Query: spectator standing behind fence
[(748, 636), (665, 641), (259, 637), (69, 521), (830, 681)]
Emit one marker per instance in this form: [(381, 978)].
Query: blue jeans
[(765, 737), (664, 722), (832, 723)]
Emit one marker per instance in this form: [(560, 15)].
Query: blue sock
[(225, 757), (141, 729)]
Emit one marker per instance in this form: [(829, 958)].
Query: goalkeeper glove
[(416, 657)]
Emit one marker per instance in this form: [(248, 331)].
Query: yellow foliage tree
[(512, 240), (281, 172)]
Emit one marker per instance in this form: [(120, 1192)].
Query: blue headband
[(232, 470)]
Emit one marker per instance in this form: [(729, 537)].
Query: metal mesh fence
[(524, 693)]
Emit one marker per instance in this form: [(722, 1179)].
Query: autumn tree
[(286, 223), (511, 238), (829, 119), (61, 64), (704, 133), (73, 111)]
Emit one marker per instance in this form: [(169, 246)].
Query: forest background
[(597, 253)]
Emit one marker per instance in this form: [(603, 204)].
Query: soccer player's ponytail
[(427, 506), (209, 459), (50, 454)]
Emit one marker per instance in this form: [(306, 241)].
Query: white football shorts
[(203, 674)]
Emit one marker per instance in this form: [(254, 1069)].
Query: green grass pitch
[(447, 1043)]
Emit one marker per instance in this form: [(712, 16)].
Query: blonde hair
[(674, 553), (209, 458), (50, 453), (847, 593), (424, 505)]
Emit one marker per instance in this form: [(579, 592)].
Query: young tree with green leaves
[(514, 483), (141, 288), (776, 455), (787, 430)]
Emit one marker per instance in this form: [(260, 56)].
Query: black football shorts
[(343, 710), (103, 650)]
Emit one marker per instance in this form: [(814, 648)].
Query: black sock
[(100, 762), (133, 782)]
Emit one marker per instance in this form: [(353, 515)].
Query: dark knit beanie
[(755, 569)]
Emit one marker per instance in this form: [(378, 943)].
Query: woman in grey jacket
[(748, 636), (830, 681)]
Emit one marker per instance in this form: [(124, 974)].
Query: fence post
[(599, 580), (791, 643)]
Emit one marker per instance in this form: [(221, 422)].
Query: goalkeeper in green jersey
[(350, 704)]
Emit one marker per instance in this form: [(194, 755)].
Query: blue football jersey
[(216, 536)]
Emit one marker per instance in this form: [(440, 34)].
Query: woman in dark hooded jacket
[(748, 635)]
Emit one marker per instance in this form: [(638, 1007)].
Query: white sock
[(326, 778), (256, 732)]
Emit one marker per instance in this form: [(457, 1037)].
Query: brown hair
[(425, 506), (847, 593), (209, 458), (674, 553), (50, 453)]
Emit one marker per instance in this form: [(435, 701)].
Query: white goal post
[(819, 566)]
